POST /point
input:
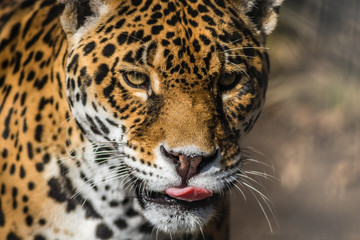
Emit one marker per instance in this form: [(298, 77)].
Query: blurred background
[(309, 134)]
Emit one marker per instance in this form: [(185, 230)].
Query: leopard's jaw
[(111, 200)]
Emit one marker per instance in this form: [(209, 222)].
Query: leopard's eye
[(136, 79), (229, 81)]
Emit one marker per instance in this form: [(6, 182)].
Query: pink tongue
[(189, 194)]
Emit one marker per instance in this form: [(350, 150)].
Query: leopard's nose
[(188, 166)]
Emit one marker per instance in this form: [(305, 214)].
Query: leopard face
[(172, 87)]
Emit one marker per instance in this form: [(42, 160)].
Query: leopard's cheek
[(244, 104)]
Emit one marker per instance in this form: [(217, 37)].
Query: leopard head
[(175, 86)]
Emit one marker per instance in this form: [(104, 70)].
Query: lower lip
[(163, 199)]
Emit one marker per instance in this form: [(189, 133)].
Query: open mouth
[(162, 198)]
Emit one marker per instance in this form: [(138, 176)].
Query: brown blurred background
[(310, 129)]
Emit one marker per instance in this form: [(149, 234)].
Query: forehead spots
[(204, 39), (196, 45), (38, 56), (150, 53), (165, 42), (170, 35), (101, 73), (108, 50), (156, 15), (209, 20), (119, 23), (136, 2), (135, 36), (129, 57), (156, 29), (122, 38), (168, 44)]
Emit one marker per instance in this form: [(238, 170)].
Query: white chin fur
[(173, 219)]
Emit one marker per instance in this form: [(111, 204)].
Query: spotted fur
[(83, 149)]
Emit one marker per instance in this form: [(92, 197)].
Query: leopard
[(123, 119)]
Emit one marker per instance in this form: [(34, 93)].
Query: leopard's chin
[(172, 215)]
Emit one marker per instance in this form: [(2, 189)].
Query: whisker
[(235, 185), (258, 162), (257, 191), (241, 48), (249, 178), (264, 212), (252, 149), (262, 174), (239, 55), (83, 203), (90, 183), (240, 68), (266, 200)]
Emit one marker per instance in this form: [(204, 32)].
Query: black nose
[(188, 166)]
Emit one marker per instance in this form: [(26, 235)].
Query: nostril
[(188, 166), (208, 159), (171, 155)]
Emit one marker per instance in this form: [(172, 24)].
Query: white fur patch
[(163, 176), (141, 94), (89, 24), (155, 83), (172, 219), (270, 23)]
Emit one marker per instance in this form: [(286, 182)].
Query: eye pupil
[(228, 81), (136, 79)]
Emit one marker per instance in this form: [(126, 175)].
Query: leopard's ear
[(263, 13), (79, 15)]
